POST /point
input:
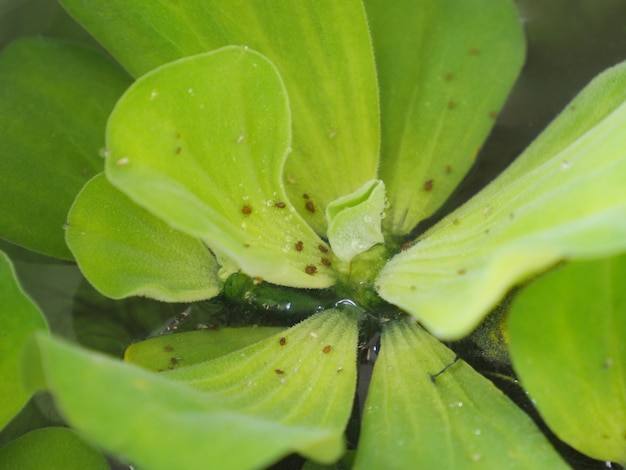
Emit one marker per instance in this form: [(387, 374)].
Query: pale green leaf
[(567, 345), (445, 68), (159, 423), (54, 448), (425, 411), (201, 142), (185, 349), (321, 48), (55, 98), (562, 199), (124, 250), (19, 318), (354, 220)]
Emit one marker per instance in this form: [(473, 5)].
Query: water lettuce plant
[(288, 159)]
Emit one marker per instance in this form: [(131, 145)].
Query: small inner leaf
[(567, 345), (427, 410), (19, 318), (354, 220), (562, 199), (201, 142), (124, 250)]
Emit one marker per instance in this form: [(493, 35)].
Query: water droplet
[(154, 94), (122, 161), (565, 165), (245, 48), (367, 219), (244, 225), (477, 432), (240, 139), (190, 91)]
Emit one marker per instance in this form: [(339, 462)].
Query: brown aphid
[(246, 210), (310, 269), (325, 262), (305, 196), (279, 372), (428, 185), (448, 169), (282, 341), (461, 271), (474, 51), (322, 248), (257, 280), (178, 150), (310, 206), (168, 348), (448, 76), (299, 246), (451, 104), (492, 114), (280, 205), (327, 349), (405, 246), (175, 360)]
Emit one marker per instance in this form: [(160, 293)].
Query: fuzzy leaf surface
[(322, 49), (445, 69), (124, 250), (55, 98), (418, 415), (164, 421), (19, 318), (51, 448), (563, 198), (201, 142), (567, 346)]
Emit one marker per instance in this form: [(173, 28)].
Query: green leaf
[(201, 142), (54, 101), (354, 220), (566, 334), (321, 48), (51, 448), (192, 347), (445, 69), (124, 250), (562, 199), (19, 318), (424, 410), (159, 423)]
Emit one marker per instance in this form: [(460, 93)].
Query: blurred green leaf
[(55, 98), (445, 69), (217, 175), (124, 250), (424, 410), (54, 448), (566, 334), (322, 49), (192, 347), (562, 199), (19, 318), (257, 405)]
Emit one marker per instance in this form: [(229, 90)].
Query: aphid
[(257, 280), (246, 210), (305, 196), (405, 246), (428, 185), (280, 205), (461, 271), (451, 104), (325, 262), (299, 246), (310, 269), (327, 349), (492, 114), (322, 248), (175, 360), (279, 372), (448, 169), (448, 76), (475, 51), (282, 341), (178, 150), (168, 348), (310, 206)]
